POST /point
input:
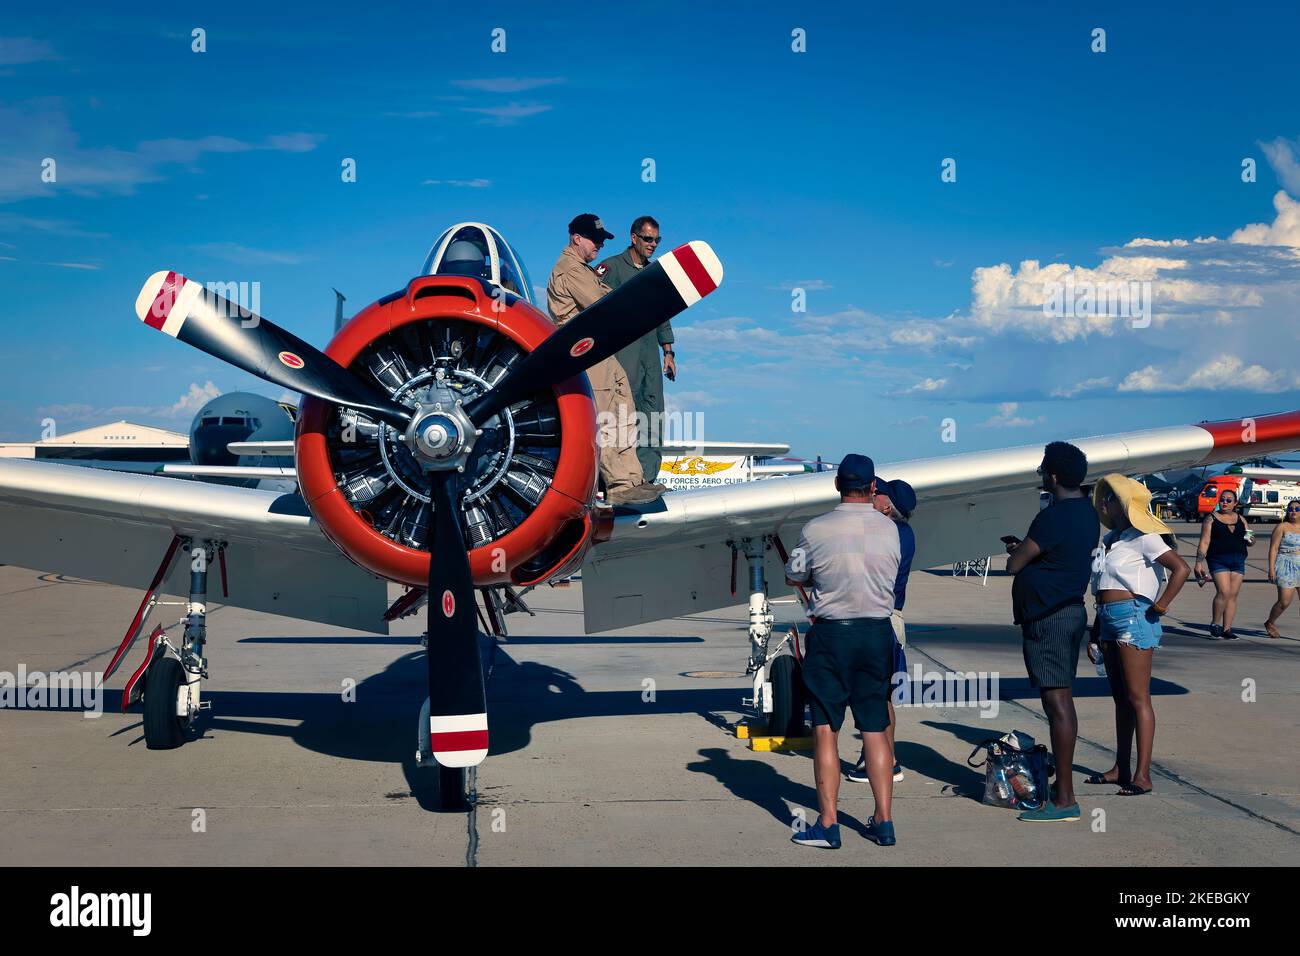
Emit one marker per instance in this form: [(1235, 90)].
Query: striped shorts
[(1052, 646)]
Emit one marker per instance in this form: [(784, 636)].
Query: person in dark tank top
[(1221, 556)]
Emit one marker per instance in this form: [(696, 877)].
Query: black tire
[(788, 698), (453, 794), (163, 729)]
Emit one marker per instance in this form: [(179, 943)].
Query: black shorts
[(1052, 646), (850, 663)]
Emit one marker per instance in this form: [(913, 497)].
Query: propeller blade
[(669, 285), (188, 311), (458, 724)]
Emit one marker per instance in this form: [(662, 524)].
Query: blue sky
[(817, 170)]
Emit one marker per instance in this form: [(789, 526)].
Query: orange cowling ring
[(569, 496)]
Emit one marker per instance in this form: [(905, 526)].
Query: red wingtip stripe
[(694, 270), (458, 740), (1266, 433), (156, 317)]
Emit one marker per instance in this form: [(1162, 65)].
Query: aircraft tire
[(788, 698), (163, 729)]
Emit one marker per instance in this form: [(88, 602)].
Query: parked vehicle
[(1265, 499), (1214, 486)]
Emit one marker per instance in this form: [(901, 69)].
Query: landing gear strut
[(778, 687), (171, 683)]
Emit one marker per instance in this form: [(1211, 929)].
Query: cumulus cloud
[(1007, 417), (1220, 373), (1284, 230), (180, 411)]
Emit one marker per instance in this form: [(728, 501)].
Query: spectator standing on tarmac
[(640, 360), (1053, 568), (897, 500), (849, 558), (574, 286)]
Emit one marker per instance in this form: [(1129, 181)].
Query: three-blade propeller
[(203, 318)]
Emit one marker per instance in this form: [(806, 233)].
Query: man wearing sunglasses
[(641, 359)]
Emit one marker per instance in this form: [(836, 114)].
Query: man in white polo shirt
[(849, 559)]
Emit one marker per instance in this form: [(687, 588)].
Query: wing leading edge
[(113, 527)]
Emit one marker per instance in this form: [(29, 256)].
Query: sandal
[(1099, 780), (1132, 790)]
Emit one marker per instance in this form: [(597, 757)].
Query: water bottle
[(1101, 662)]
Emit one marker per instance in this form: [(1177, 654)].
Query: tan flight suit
[(574, 286)]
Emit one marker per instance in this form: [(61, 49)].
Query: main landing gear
[(774, 663), (168, 680)]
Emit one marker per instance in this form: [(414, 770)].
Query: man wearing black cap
[(575, 286), (1053, 567), (849, 559), (897, 500)]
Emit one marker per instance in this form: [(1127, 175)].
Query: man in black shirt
[(1052, 566)]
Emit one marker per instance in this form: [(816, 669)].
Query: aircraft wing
[(674, 556), (114, 527)]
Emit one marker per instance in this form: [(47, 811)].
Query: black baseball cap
[(590, 226), (856, 471)]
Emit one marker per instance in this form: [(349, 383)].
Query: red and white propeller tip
[(695, 270), (164, 301)]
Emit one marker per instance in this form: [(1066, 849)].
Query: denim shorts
[(1130, 622), (1236, 563)]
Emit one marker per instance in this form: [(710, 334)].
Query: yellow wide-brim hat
[(1135, 498)]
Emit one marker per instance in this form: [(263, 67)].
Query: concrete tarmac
[(614, 749)]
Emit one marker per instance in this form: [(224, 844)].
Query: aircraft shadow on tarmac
[(380, 725)]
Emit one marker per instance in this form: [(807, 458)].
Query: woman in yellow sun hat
[(1136, 575)]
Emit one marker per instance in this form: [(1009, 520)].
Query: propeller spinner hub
[(441, 435)]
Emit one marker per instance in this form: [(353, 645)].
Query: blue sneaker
[(881, 834), (826, 838)]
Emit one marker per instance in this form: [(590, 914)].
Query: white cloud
[(1006, 417), (1223, 372), (194, 399), (182, 410), (1078, 388), (926, 385), (1282, 231), (1281, 155)]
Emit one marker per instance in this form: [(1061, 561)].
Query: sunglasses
[(651, 240)]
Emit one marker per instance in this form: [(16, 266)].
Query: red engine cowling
[(527, 501)]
